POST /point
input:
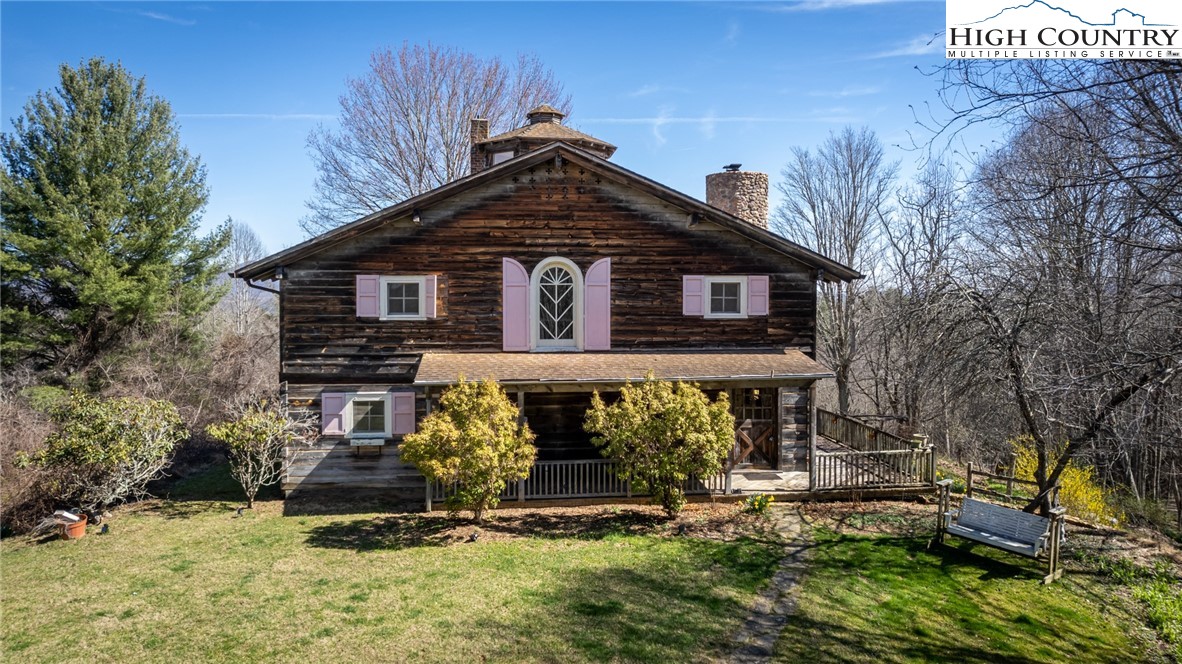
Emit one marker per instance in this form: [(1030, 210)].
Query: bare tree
[(918, 348), (1138, 145), (405, 126), (1079, 304), (243, 303), (835, 202)]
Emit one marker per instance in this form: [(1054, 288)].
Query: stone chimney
[(478, 133), (741, 193)]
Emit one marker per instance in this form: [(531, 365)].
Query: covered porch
[(784, 444)]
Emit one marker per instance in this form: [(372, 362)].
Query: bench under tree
[(1004, 528)]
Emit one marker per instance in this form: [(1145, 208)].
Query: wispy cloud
[(652, 89), (733, 30), (822, 5), (848, 91), (708, 125), (921, 45), (712, 121), (157, 16), (256, 116)]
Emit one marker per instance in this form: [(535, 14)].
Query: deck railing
[(584, 478), (874, 470), (874, 458), (857, 434)]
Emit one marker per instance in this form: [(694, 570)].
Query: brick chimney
[(741, 193), (478, 133)]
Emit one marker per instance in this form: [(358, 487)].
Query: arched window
[(557, 286)]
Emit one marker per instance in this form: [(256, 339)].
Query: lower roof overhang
[(567, 371)]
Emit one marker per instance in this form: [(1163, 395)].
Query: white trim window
[(726, 297), (557, 296), (369, 415), (402, 298)]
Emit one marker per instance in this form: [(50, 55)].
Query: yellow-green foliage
[(474, 441), (257, 439), (661, 433), (1078, 490)]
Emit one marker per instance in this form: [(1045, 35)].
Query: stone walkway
[(756, 639)]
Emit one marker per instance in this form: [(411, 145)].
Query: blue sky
[(682, 88)]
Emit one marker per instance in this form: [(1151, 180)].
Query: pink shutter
[(597, 306), (431, 288), (404, 412), (757, 295), (332, 413), (515, 305), (368, 296), (691, 295)]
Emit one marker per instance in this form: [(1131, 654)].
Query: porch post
[(812, 436)]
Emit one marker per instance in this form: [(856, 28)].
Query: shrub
[(106, 451), (475, 442), (661, 434), (1078, 490), (257, 439)]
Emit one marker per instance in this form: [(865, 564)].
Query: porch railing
[(587, 478)]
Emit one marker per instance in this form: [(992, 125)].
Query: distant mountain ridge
[(1036, 4)]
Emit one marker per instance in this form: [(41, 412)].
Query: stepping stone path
[(756, 639)]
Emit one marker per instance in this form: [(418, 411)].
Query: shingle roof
[(523, 368), (549, 131)]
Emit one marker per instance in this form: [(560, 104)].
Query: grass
[(186, 580), (891, 599)]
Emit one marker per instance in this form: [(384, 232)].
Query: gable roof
[(266, 268)]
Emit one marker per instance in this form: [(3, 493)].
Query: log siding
[(530, 216)]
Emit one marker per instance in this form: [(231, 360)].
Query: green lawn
[(187, 581), (890, 599)]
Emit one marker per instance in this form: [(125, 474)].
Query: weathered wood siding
[(332, 462), (529, 217), (794, 428)]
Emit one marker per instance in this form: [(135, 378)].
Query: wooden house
[(558, 273)]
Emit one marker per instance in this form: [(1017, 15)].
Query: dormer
[(543, 127)]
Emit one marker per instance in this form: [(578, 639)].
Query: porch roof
[(619, 367)]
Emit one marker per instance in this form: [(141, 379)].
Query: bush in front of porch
[(475, 442), (662, 434)]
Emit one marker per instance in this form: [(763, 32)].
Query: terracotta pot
[(75, 530)]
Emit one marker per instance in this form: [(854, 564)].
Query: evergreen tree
[(101, 208)]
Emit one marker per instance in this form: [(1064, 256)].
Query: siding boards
[(530, 217)]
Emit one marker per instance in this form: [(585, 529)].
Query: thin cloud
[(824, 5), (652, 89), (157, 16), (820, 115), (708, 125), (848, 91), (921, 45), (256, 116), (733, 30)]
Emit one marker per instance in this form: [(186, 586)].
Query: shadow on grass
[(892, 599), (210, 489), (400, 531), (680, 601)]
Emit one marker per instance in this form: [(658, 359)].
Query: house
[(558, 273)]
